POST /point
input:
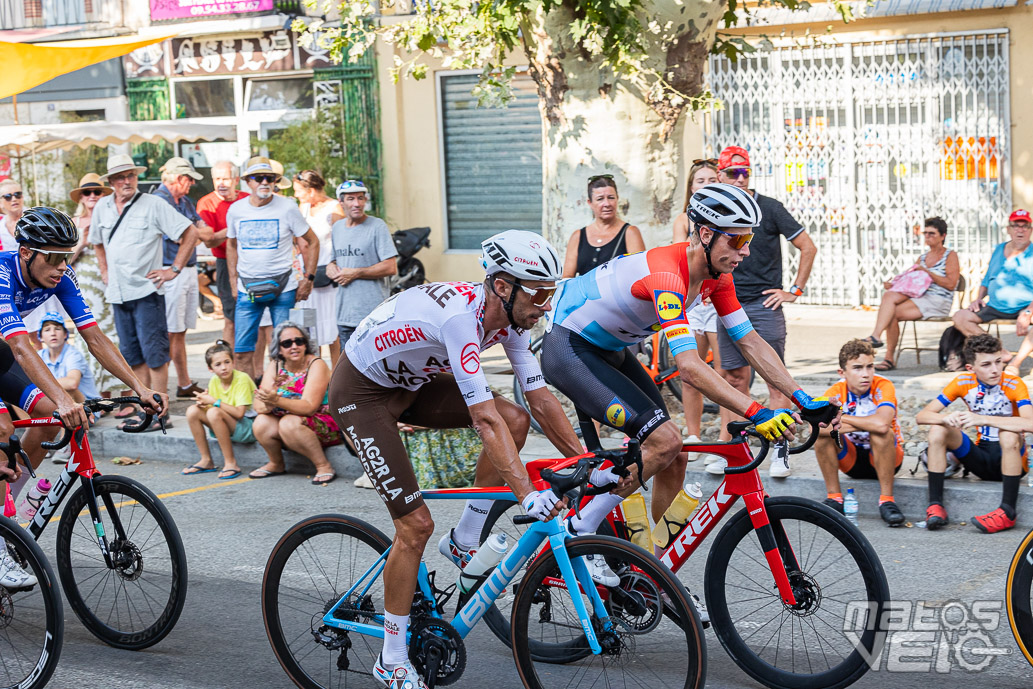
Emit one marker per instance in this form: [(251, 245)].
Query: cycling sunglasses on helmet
[(55, 258), (738, 241), (540, 296)]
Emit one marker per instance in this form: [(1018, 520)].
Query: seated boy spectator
[(67, 363), (998, 405), (872, 444), (222, 409)]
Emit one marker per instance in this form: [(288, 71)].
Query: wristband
[(218, 403), (752, 410), (796, 291)]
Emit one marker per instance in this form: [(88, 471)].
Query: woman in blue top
[(67, 363)]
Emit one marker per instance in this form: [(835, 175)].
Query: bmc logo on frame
[(928, 637)]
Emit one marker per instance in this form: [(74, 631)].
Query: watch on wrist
[(796, 290), (174, 269), (311, 277)]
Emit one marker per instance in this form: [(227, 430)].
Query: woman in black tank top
[(607, 237)]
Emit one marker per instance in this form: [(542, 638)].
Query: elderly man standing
[(758, 283), (260, 231), (181, 292), (213, 208), (127, 231)]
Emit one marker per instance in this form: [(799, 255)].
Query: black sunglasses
[(92, 192), (297, 341), (263, 179), (595, 178), (12, 195)]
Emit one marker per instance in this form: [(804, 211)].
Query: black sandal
[(156, 424), (134, 419), (885, 365), (873, 341)]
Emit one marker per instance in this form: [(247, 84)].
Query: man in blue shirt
[(66, 362), (1007, 288)]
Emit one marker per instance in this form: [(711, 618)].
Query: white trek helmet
[(524, 255), (722, 205)]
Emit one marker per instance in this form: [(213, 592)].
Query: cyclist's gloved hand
[(805, 401), (540, 504), (603, 477), (770, 423)]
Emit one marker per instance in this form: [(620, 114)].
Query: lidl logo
[(668, 305), (616, 414)]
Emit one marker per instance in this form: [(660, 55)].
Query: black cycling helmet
[(42, 226)]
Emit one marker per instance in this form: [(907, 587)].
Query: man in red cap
[(1007, 288), (759, 284)]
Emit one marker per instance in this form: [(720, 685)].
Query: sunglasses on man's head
[(12, 195), (540, 296), (737, 172), (738, 241), (55, 258), (295, 342), (595, 178), (263, 179)]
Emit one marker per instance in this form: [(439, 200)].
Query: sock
[(1010, 494), (838, 497), (395, 651), (467, 533), (935, 487), (593, 514), (885, 498)]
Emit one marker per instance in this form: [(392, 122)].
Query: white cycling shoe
[(601, 572), (12, 576), (402, 677)]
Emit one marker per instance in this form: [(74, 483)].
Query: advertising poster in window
[(185, 9)]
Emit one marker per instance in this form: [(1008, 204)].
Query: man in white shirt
[(260, 231), (127, 231)]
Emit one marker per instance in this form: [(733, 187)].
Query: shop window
[(204, 98), (493, 156), (280, 94)]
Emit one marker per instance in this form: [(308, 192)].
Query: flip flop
[(265, 473), (230, 473), (134, 419), (885, 365), (198, 470), (316, 482)]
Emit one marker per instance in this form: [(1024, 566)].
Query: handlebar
[(99, 404), (740, 429), (13, 449)]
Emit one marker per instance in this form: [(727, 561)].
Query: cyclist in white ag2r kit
[(416, 359), (596, 316)]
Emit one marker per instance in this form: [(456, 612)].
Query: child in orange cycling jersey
[(999, 407), (872, 444)]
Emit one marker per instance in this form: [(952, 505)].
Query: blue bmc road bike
[(322, 601)]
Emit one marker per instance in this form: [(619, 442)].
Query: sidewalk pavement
[(815, 335)]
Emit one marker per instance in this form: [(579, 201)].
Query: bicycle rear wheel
[(1019, 596), (839, 585), (31, 619), (648, 601), (309, 569), (137, 602)]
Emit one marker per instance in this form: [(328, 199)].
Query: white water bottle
[(486, 557), (37, 494), (850, 506)]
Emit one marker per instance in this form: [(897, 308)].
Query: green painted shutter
[(149, 100), (493, 162)]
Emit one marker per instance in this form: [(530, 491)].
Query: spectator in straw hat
[(127, 231), (181, 293), (260, 233)]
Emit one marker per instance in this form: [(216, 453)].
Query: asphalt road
[(229, 528)]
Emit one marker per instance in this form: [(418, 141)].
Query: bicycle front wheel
[(135, 602), (648, 601), (31, 620), (839, 585), (310, 568), (1019, 596)]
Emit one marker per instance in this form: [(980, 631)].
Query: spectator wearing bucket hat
[(65, 361), (128, 229), (260, 233), (760, 286), (181, 293), (364, 257)]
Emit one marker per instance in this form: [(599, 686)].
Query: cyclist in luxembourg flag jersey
[(596, 316)]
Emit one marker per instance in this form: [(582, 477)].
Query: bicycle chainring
[(435, 641)]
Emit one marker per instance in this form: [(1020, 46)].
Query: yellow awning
[(31, 64)]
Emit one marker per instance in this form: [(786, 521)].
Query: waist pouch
[(263, 290), (322, 279)]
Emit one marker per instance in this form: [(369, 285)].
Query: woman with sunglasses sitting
[(292, 406), (607, 237)]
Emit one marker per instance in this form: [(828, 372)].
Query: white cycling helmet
[(722, 205), (524, 255)]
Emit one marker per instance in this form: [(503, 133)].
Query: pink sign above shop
[(185, 9)]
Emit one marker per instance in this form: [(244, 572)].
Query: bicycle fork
[(772, 552)]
